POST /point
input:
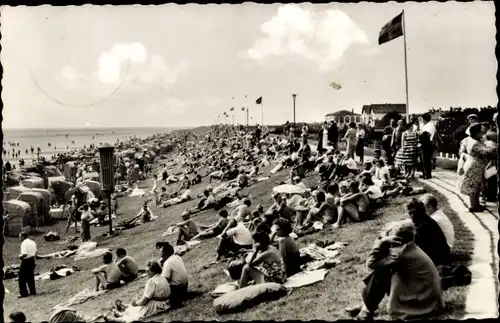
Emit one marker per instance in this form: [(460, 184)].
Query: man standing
[(333, 135), (396, 138), (27, 268), (426, 145)]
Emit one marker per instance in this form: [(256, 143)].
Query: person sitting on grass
[(429, 236), (382, 176), (353, 204), (372, 191), (145, 215), (322, 210), (288, 248), (404, 272), (154, 300), (17, 317), (196, 178), (242, 212), (108, 275), (187, 228), (215, 229), (431, 206), (176, 274), (242, 180), (280, 208), (208, 201), (128, 266), (233, 239), (264, 264)]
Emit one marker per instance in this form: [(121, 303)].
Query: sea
[(64, 140)]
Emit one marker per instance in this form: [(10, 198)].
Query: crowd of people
[(261, 245)]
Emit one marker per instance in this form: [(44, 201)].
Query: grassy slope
[(324, 301)]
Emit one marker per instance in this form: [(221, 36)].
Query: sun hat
[(472, 116)]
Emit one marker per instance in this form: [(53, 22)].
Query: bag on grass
[(247, 297)]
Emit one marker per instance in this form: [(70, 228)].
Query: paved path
[(482, 297)]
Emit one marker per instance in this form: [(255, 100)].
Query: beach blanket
[(80, 298), (261, 179), (317, 253), (137, 192), (96, 221), (305, 278)]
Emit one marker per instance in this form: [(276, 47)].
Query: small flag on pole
[(335, 86), (232, 109), (392, 30), (258, 101)]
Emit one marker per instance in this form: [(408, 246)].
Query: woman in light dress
[(350, 138), (474, 159), (407, 155), (154, 300)]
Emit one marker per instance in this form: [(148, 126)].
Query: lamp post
[(107, 163), (294, 96)]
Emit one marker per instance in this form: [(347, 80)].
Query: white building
[(343, 117), (374, 112)]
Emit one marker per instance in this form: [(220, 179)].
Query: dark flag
[(393, 29), (258, 101), (232, 109)]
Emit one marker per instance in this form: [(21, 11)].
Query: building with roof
[(373, 112), (343, 117)]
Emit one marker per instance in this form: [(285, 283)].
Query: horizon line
[(110, 127)]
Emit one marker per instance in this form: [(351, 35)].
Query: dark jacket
[(431, 239)]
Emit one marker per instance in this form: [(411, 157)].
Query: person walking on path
[(27, 268)]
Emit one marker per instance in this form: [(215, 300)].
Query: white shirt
[(241, 235), (430, 128), (382, 173), (446, 226), (351, 164), (187, 194), (374, 193), (175, 271), (28, 248)]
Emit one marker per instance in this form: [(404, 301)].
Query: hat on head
[(472, 116)]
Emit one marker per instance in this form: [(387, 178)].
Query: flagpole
[(406, 70), (262, 113)]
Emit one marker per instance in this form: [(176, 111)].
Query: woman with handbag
[(473, 169)]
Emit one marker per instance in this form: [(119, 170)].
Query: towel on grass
[(89, 250), (80, 298), (182, 249), (224, 289), (56, 274), (137, 192), (305, 278)]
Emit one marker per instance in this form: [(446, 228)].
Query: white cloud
[(143, 67), (295, 31)]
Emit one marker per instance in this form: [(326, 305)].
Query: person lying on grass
[(186, 196), (264, 264), (154, 300), (404, 272), (128, 266), (288, 248), (176, 274), (187, 228), (353, 204), (108, 275), (208, 201), (233, 239), (215, 229)]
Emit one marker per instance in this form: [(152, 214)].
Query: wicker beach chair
[(19, 213), (35, 200), (32, 182), (47, 199), (15, 191)]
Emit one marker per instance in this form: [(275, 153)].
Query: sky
[(182, 66)]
